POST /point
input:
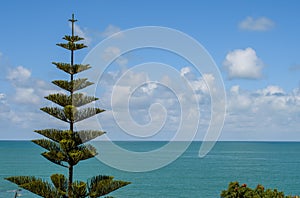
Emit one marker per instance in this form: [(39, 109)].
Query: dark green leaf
[(79, 137), (72, 38), (86, 135), (86, 113), (79, 189), (74, 85), (67, 144), (71, 46), (70, 112), (55, 112), (19, 180), (82, 152), (55, 134), (102, 185), (71, 69), (77, 99), (56, 157), (47, 144), (36, 186), (60, 182)]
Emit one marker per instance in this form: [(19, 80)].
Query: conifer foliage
[(67, 148)]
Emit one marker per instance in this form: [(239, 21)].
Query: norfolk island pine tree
[(67, 148)]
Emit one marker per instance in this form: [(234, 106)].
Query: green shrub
[(235, 190)]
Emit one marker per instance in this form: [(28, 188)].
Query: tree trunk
[(70, 190)]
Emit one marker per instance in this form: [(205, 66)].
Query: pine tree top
[(73, 20)]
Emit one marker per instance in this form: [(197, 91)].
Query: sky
[(255, 45)]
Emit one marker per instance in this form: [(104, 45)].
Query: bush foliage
[(235, 190)]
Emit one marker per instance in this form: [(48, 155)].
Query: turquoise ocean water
[(273, 164)]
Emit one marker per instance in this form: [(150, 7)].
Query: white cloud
[(209, 78), (19, 74), (26, 96), (122, 84), (144, 99), (184, 71), (235, 89), (258, 24), (21, 105), (27, 89), (149, 88), (241, 63), (15, 117), (269, 110), (201, 84), (198, 84), (4, 107), (238, 101), (110, 30), (2, 96), (82, 33), (122, 61), (271, 90), (112, 52)]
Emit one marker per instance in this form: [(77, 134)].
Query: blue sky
[(255, 44)]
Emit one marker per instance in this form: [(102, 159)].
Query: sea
[(272, 164)]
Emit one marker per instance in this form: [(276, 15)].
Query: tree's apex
[(73, 19)]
